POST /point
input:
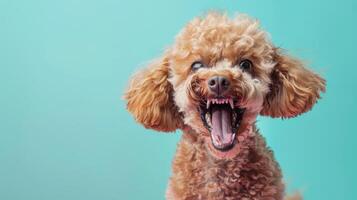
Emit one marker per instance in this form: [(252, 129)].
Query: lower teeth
[(234, 117), (208, 119)]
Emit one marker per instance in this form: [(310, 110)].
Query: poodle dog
[(212, 83)]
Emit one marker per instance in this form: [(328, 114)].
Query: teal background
[(64, 130)]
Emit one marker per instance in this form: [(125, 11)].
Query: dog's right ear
[(149, 98)]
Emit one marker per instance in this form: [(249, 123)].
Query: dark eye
[(197, 65), (245, 65)]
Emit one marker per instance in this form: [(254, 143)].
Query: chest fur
[(253, 174)]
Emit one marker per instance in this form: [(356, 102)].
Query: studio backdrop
[(65, 133)]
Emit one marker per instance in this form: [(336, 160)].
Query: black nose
[(218, 84)]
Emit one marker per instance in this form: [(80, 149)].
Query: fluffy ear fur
[(294, 88), (149, 98)]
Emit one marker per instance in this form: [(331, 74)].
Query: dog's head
[(217, 77)]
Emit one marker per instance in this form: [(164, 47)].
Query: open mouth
[(222, 118)]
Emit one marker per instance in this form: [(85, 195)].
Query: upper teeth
[(220, 101)]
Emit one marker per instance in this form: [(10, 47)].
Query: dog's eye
[(245, 65), (197, 65)]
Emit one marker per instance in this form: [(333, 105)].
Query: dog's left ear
[(149, 98), (294, 88)]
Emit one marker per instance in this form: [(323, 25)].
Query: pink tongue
[(221, 127)]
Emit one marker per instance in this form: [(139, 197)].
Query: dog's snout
[(218, 84)]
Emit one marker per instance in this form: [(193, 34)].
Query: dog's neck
[(253, 166)]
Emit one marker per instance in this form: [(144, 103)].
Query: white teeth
[(234, 116), (231, 103), (208, 119), (215, 139), (220, 101)]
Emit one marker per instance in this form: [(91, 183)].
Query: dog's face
[(217, 77)]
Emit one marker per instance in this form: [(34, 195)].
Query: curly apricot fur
[(149, 98), (294, 89)]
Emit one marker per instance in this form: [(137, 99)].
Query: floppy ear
[(149, 98), (294, 88)]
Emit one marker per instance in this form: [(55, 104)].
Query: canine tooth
[(215, 138), (208, 103), (232, 136), (231, 103), (208, 119)]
